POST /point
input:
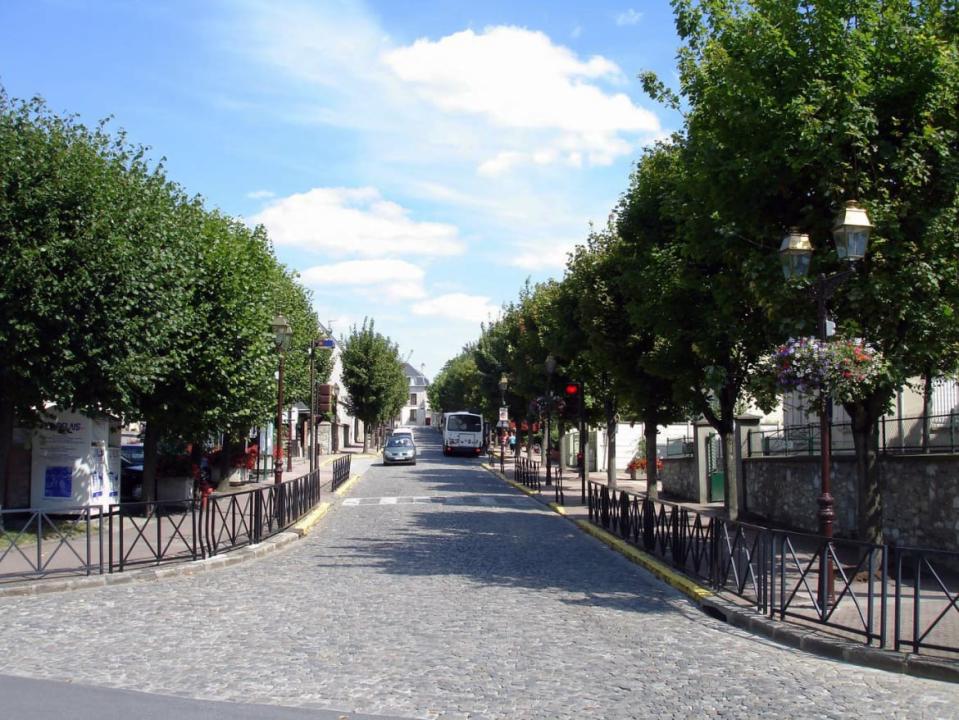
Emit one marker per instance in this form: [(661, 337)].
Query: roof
[(417, 376)]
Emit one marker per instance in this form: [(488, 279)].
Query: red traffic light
[(572, 389)]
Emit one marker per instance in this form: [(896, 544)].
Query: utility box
[(75, 462)]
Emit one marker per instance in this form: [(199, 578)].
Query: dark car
[(131, 473), (399, 449)]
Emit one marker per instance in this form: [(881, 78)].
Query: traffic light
[(324, 399), (573, 395)]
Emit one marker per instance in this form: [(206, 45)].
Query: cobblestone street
[(436, 591)]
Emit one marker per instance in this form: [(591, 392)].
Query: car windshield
[(400, 442), (133, 454)]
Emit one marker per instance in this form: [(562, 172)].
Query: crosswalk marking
[(485, 500)]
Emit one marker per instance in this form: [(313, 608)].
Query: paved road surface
[(437, 591)]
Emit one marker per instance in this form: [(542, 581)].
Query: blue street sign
[(328, 343)]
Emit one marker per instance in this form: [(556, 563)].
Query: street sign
[(503, 413), (328, 343)]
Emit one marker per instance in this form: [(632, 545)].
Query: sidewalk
[(795, 631)]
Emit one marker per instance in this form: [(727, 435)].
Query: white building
[(416, 412)]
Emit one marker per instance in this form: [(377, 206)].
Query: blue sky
[(414, 161)]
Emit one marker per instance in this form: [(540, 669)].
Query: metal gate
[(715, 475)]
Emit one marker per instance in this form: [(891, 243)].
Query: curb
[(807, 640), (342, 489)]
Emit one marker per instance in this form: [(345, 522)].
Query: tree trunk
[(7, 418), (366, 436), (652, 474), (151, 439), (610, 407), (868, 488)]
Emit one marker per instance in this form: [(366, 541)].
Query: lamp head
[(851, 232), (550, 364), (795, 252), (282, 333)]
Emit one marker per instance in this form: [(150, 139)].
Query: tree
[(90, 279), (457, 386), (373, 376), (791, 111)]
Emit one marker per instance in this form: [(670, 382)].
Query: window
[(413, 399), (412, 414)]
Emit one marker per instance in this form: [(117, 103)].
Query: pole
[(583, 443), (826, 510), (289, 438), (278, 448), (312, 443)]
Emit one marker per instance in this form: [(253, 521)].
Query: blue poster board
[(58, 482)]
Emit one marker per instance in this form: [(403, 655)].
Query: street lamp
[(504, 421), (851, 235), (282, 334), (550, 369)]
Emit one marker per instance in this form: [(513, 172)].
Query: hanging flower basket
[(847, 370)]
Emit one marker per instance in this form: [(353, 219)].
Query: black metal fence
[(840, 584), (897, 436), (37, 544), (526, 471), (341, 471)]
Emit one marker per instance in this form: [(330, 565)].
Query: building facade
[(416, 412)]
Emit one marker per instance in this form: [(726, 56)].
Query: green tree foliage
[(373, 376), (791, 111), (457, 386), (121, 294), (91, 282)]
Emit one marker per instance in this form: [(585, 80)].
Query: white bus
[(462, 434)]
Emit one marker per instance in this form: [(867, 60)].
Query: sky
[(414, 162)]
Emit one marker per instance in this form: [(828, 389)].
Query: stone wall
[(920, 496), (678, 479), (783, 491)]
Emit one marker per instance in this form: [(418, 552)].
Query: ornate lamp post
[(851, 235), (550, 370), (282, 334)]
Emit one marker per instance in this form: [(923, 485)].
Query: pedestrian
[(512, 441)]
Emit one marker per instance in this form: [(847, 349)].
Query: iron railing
[(680, 447), (341, 471), (38, 544), (836, 583), (526, 471), (897, 436), (927, 599)]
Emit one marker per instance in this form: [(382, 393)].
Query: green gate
[(715, 476)]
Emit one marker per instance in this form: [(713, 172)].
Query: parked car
[(399, 449), (131, 473)]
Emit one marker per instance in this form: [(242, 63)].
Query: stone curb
[(243, 554), (807, 640)]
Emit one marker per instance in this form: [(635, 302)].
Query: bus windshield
[(464, 423)]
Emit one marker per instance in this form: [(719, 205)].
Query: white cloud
[(630, 17), (354, 221), (542, 255), (517, 79), (384, 279), (261, 194), (458, 306)]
